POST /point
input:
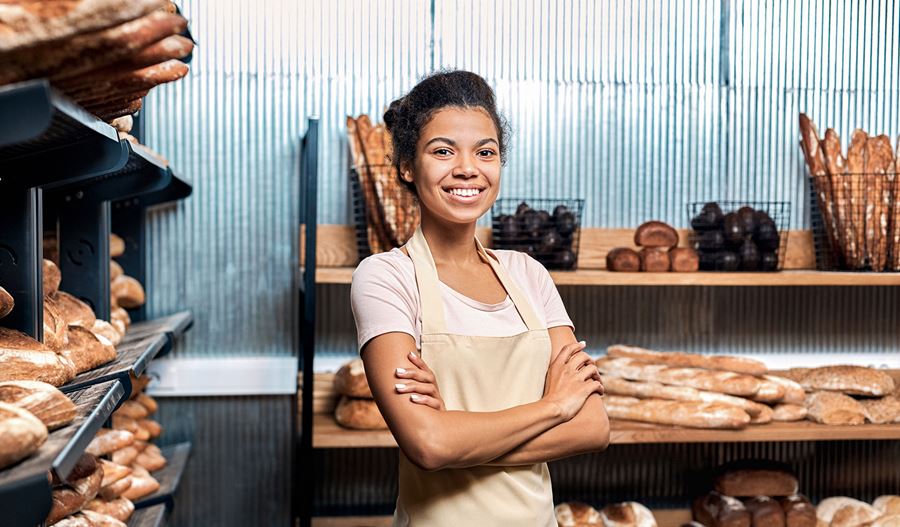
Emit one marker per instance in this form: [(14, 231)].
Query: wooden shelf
[(328, 434), (664, 518), (589, 277)]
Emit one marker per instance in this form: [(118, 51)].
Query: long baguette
[(714, 381), (856, 166), (655, 390), (815, 159), (691, 414), (793, 392), (840, 184), (689, 360)]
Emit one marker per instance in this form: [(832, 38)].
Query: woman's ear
[(406, 174)]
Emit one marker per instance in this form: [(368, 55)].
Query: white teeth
[(464, 192)]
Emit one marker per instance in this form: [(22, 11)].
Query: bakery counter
[(664, 518), (154, 516), (169, 477)]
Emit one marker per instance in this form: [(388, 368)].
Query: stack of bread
[(125, 458), (29, 410), (126, 292), (717, 391), (104, 54), (627, 514), (856, 195), (356, 408), (391, 211), (659, 252)]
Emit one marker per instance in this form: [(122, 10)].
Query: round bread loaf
[(684, 260), (21, 434), (360, 414), (24, 358), (106, 330), (6, 303), (128, 292), (623, 259), (41, 399), (654, 260), (655, 234), (74, 311), (116, 245), (56, 331), (52, 277), (628, 514), (86, 350), (115, 270), (351, 380), (577, 514), (887, 504)]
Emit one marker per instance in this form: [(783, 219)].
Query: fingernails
[(583, 343), (415, 397), (412, 354), (401, 371), (400, 386)]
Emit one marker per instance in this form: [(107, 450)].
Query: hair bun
[(392, 115)]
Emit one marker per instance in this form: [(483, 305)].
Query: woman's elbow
[(427, 453), (601, 436)]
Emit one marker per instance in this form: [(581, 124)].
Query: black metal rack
[(150, 517), (131, 359), (172, 326), (169, 477), (25, 488)]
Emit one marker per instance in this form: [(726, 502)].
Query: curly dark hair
[(406, 116)]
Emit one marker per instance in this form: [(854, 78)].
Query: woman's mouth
[(464, 194)]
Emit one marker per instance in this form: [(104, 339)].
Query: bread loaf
[(798, 511), (152, 427), (126, 455), (887, 504), (108, 441), (765, 512), (765, 416), (84, 467), (351, 381), (129, 292), (684, 260), (71, 498), (360, 414), (116, 245), (654, 260), (576, 514), (6, 302), (716, 510), (74, 311), (21, 434), (890, 520), (142, 484), (793, 392), (121, 422), (112, 111), (883, 410), (655, 234), (51, 277), (624, 260), (855, 380), (120, 320), (786, 412), (130, 82), (151, 458), (41, 399), (655, 390), (120, 508), (106, 330), (115, 270), (841, 511), (116, 489), (831, 408), (23, 358), (133, 409), (56, 331), (86, 350), (689, 360), (749, 482), (769, 392), (101, 520), (713, 381), (628, 514), (691, 414), (172, 47), (75, 520), (113, 472), (147, 402)]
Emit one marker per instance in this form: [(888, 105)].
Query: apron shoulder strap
[(523, 305)]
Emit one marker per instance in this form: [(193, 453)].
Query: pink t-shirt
[(385, 298)]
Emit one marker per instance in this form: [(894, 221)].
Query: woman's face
[(457, 166)]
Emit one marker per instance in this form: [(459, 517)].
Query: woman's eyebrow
[(486, 141), (450, 142)]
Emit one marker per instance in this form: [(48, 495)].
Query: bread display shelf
[(154, 516), (132, 359), (25, 487), (591, 277), (38, 120), (169, 477), (172, 326), (328, 434), (664, 518), (177, 189)]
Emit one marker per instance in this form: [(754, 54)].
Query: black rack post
[(304, 464), (21, 254), (83, 237), (129, 219)]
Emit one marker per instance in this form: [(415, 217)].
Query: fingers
[(579, 360), (569, 350), (415, 375), (417, 360), (425, 400), (590, 373), (415, 387)]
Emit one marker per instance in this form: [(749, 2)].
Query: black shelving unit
[(132, 359), (169, 477), (172, 326), (25, 488)]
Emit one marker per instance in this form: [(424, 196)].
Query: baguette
[(793, 392), (689, 360), (856, 167), (142, 484), (840, 184), (691, 414), (786, 412), (6, 302), (655, 390), (815, 159), (21, 434), (714, 381), (831, 408), (764, 417), (126, 456), (855, 380), (895, 217), (769, 391), (878, 158), (41, 399)]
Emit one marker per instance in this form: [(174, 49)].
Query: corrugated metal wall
[(638, 106)]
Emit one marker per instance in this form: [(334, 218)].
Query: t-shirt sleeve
[(554, 309), (381, 300)]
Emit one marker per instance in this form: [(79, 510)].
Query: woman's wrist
[(552, 411)]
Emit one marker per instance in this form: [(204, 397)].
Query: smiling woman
[(469, 353)]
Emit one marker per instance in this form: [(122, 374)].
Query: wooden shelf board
[(664, 518), (328, 434), (590, 277)]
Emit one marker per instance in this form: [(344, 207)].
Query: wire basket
[(385, 212), (545, 229), (856, 221), (740, 235)]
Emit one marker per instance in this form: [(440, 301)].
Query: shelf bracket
[(21, 255)]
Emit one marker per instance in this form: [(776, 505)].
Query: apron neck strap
[(433, 320)]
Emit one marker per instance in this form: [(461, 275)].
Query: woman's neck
[(450, 243)]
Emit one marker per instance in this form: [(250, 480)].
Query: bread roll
[(655, 234), (769, 392), (748, 482), (86, 350), (624, 260), (628, 514), (126, 455), (765, 512), (115, 490), (120, 508), (142, 484), (691, 414), (831, 408), (51, 277), (116, 245), (684, 260), (121, 422), (152, 427), (688, 360), (113, 472), (786, 412), (889, 520), (716, 510), (793, 392), (147, 402), (41, 399), (133, 409), (101, 520), (6, 302), (120, 320), (360, 414), (108, 441), (56, 330), (713, 381), (798, 511), (829, 508), (351, 381), (129, 292), (654, 260), (21, 434), (576, 514), (883, 410), (655, 390), (23, 358), (888, 504), (854, 380)]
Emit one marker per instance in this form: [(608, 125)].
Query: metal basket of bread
[(854, 199), (545, 229), (736, 236)]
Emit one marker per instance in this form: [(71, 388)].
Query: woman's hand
[(571, 378), (420, 383)]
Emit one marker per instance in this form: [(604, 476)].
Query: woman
[(499, 385)]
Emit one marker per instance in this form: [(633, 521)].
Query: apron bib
[(477, 374)]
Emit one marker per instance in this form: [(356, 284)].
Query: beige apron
[(477, 374)]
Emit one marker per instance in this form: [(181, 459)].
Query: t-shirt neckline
[(475, 304)]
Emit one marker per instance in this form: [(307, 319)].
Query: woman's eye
[(486, 153), (442, 152)]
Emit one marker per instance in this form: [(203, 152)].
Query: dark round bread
[(655, 234), (623, 259)]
